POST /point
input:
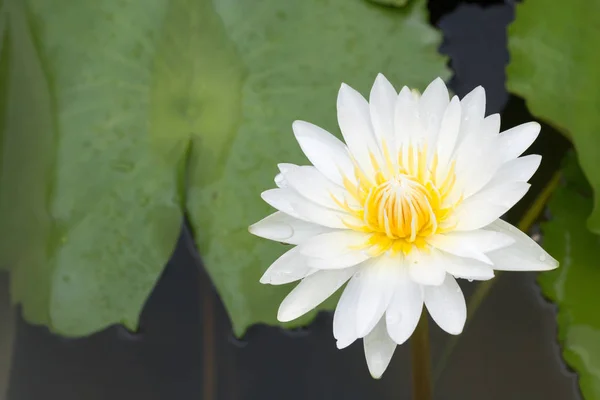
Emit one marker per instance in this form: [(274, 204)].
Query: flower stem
[(421, 360)]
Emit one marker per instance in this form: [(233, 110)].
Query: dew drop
[(543, 257), (357, 275), (470, 280)]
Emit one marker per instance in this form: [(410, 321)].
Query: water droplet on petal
[(543, 257), (358, 275)]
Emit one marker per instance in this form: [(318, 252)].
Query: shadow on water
[(509, 350)]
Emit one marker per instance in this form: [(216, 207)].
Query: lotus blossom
[(411, 201)]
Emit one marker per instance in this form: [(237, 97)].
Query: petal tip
[(536, 157), (363, 330), (439, 81), (284, 315), (297, 127), (455, 331), (376, 374), (550, 262), (343, 343), (264, 279), (252, 229), (477, 95), (376, 369)]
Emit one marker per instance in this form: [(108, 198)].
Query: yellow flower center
[(401, 208), (404, 203)]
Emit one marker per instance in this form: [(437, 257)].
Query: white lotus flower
[(409, 203)]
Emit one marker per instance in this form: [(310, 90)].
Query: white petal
[(473, 111), (518, 170), (477, 159), (406, 119), (486, 206), (490, 125), (290, 202), (513, 142), (426, 268), (466, 268), (280, 199), (482, 156), (333, 250), (432, 105), (283, 168), (355, 123), (524, 255), (405, 309), (284, 228), (312, 291), (325, 151), (346, 260), (477, 214), (446, 305), (382, 101), (311, 184), (290, 267), (344, 318), (377, 280), (471, 244), (309, 211), (506, 195), (474, 104), (379, 349), (474, 173), (448, 135), (280, 181)]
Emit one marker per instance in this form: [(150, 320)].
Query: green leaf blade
[(28, 134), (123, 86), (573, 286), (554, 66)]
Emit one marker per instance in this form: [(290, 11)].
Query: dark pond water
[(185, 349)]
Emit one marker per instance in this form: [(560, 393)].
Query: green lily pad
[(295, 55), (574, 285), (102, 100), (554, 66)]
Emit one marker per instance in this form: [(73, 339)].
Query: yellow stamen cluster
[(404, 203)]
